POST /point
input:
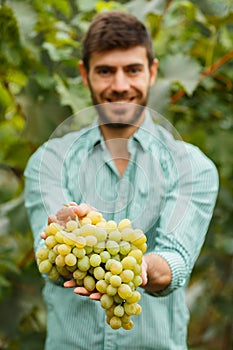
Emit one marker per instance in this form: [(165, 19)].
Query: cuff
[(178, 270)]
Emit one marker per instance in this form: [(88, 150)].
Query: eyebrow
[(101, 66)]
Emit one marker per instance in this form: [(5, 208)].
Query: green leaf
[(183, 70), (141, 8)]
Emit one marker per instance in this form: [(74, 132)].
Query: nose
[(120, 82)]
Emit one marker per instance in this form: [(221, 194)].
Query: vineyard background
[(40, 44)]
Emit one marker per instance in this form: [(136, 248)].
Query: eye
[(134, 70), (104, 71)]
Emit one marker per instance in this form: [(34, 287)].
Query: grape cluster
[(101, 256)]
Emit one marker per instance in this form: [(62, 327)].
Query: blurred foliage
[(40, 43)]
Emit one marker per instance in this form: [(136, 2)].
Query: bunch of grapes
[(101, 256)]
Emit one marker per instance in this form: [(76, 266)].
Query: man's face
[(119, 82)]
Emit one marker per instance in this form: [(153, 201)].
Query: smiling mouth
[(120, 101)]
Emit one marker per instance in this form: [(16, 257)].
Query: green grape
[(137, 254), (89, 250), (101, 286), (107, 276), (50, 242), (142, 247), (128, 326), (53, 274), (71, 225), (95, 216), (116, 257), (64, 249), (60, 260), (108, 263), (91, 241), (87, 230), (55, 249), (71, 268), (80, 242), (131, 285), (99, 247), (95, 260), (115, 267), (111, 290), (42, 253), (134, 298), (127, 276), (100, 234), (70, 259), (79, 252), (118, 299), (115, 322), (45, 266), (79, 283), (125, 223), (85, 221), (53, 228), (89, 283), (115, 236), (138, 309), (137, 269), (79, 275), (110, 312), (69, 238), (59, 237), (124, 291), (52, 256), (106, 301), (139, 238), (99, 273), (125, 318), (125, 247), (115, 281), (128, 262), (137, 281), (62, 270), (112, 247), (119, 311), (84, 263), (110, 225), (127, 234), (130, 309), (105, 256)]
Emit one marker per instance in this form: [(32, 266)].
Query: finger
[(82, 210), (95, 296), (144, 273), (43, 235), (73, 204), (69, 284), (82, 291), (52, 218)]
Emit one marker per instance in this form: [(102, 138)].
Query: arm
[(182, 227)]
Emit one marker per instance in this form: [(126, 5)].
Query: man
[(126, 166)]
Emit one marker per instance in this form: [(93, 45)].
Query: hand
[(156, 273), (82, 291), (69, 213)]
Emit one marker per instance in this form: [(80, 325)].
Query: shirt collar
[(143, 135)]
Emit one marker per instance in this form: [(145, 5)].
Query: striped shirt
[(168, 190)]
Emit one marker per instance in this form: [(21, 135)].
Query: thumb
[(144, 273)]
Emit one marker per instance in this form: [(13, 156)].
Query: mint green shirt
[(168, 190)]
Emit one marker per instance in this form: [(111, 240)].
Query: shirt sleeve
[(45, 190), (186, 214)]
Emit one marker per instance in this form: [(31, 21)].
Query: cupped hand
[(82, 291)]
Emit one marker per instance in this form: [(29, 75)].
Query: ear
[(153, 71), (83, 72)]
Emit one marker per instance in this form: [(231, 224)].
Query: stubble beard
[(104, 118)]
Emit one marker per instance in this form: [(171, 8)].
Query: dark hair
[(112, 30)]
